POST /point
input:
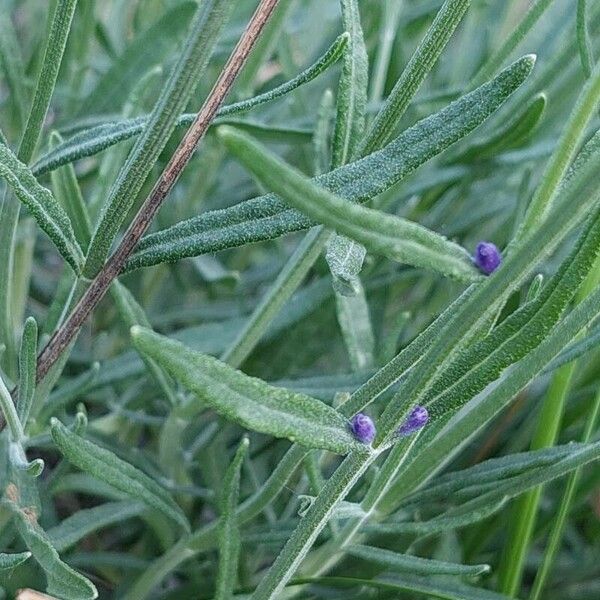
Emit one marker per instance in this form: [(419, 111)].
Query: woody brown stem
[(101, 283)]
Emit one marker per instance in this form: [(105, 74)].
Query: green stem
[(563, 511), (525, 509)]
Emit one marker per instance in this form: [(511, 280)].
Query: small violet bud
[(418, 418), (487, 257), (363, 428)]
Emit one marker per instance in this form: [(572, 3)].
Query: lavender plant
[(299, 299)]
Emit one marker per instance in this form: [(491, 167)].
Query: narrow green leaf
[(66, 189), (345, 256), (249, 401), (204, 32), (564, 153), (86, 521), (421, 62), (476, 414), (12, 62), (45, 209), (483, 362), (133, 314), (414, 564), (423, 585), (10, 413), (352, 90), (394, 237), (58, 31), (89, 142), (583, 39), (108, 467), (62, 580), (576, 349), (53, 55), (268, 217), (322, 133), (355, 322), (510, 43), (27, 367), (229, 535), (149, 48), (490, 471), (448, 521), (510, 136), (10, 561)]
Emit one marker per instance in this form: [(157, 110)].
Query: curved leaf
[(229, 535), (88, 520), (267, 217), (62, 580), (414, 564), (249, 401), (105, 134), (45, 209), (392, 236)]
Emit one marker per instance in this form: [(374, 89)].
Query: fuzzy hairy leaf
[(229, 535), (268, 217), (27, 366), (62, 580), (204, 31), (108, 467), (249, 401), (394, 237), (516, 336), (421, 62), (44, 208), (413, 564), (398, 584), (10, 561), (89, 142), (352, 90)]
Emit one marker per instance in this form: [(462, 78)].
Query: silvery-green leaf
[(45, 209), (108, 467), (247, 400)]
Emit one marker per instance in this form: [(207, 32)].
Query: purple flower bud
[(363, 428), (417, 419), (487, 257)]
